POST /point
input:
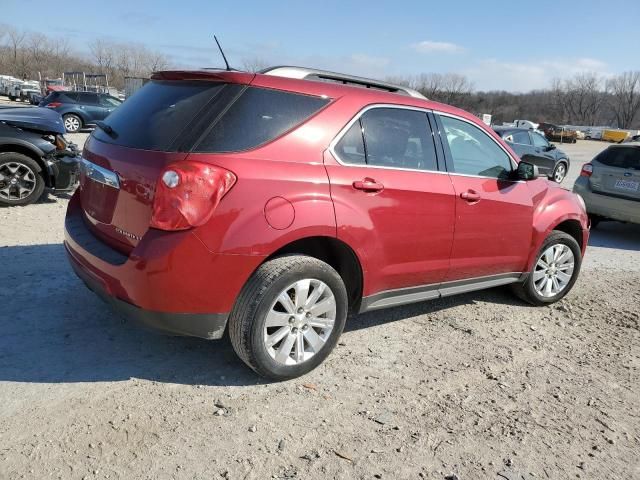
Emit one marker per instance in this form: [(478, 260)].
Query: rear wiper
[(106, 129)]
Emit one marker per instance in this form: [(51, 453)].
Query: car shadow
[(54, 330), (623, 236)]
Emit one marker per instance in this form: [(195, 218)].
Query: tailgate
[(116, 190)]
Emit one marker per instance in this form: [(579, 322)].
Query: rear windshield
[(621, 157), (215, 117), (154, 116)]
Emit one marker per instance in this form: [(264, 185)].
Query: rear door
[(616, 172), (494, 213), (390, 198)]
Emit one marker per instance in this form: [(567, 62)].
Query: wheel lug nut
[(294, 330), (300, 310), (308, 315), (292, 319), (305, 327)]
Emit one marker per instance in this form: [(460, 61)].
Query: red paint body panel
[(417, 230)]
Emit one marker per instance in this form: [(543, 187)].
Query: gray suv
[(610, 184)]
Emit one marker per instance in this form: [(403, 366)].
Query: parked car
[(23, 91), (81, 109), (296, 196), (556, 133), (34, 155), (610, 184), (532, 147)]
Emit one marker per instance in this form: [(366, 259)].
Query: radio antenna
[(222, 53)]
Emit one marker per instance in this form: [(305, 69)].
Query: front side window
[(108, 101), (473, 152), (539, 140)]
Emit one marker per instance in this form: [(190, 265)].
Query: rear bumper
[(204, 325), (170, 282), (606, 206)]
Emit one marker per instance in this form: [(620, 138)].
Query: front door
[(494, 213), (390, 199)]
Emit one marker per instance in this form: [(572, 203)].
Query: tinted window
[(539, 140), (88, 98), (68, 97), (398, 138), (473, 152), (620, 157), (154, 116), (350, 148), (259, 116), (518, 137)]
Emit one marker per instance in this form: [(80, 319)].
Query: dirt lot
[(470, 387)]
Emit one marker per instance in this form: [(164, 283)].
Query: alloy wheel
[(72, 124), (560, 173), (300, 321), (554, 270), (17, 181)]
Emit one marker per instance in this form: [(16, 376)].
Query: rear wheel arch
[(335, 253)]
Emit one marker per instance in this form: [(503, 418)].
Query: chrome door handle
[(368, 185)]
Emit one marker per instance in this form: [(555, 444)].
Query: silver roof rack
[(303, 73)]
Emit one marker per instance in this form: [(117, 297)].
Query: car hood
[(36, 118)]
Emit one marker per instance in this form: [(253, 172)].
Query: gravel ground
[(470, 387)]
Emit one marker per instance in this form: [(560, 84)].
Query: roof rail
[(304, 73)]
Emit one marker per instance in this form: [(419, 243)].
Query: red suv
[(280, 202)]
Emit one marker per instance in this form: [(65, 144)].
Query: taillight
[(53, 104), (187, 194), (587, 170)]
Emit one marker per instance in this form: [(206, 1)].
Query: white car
[(23, 91)]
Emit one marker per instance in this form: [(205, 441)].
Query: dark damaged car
[(34, 155)]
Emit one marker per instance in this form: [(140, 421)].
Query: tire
[(529, 292), (72, 123), (560, 172), (259, 300), (19, 172)]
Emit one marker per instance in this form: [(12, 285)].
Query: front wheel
[(20, 180), (554, 272), (289, 316), (560, 172)]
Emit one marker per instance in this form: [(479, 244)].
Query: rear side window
[(257, 117), (621, 157), (154, 116), (393, 137), (518, 137)]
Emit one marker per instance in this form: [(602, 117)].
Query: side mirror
[(551, 147), (527, 171)]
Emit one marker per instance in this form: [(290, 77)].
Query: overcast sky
[(510, 45)]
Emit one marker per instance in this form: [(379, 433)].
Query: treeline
[(25, 54), (584, 99)]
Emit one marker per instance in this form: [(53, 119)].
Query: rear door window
[(398, 137), (258, 116), (350, 148), (521, 137), (88, 98)]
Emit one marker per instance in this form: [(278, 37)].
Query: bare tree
[(582, 97), (624, 91), (254, 64)]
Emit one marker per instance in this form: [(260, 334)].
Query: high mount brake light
[(187, 193), (587, 170)]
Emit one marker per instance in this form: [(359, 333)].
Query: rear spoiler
[(229, 76)]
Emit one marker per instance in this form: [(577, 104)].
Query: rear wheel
[(560, 172), (72, 123), (554, 272), (20, 180), (289, 316)]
